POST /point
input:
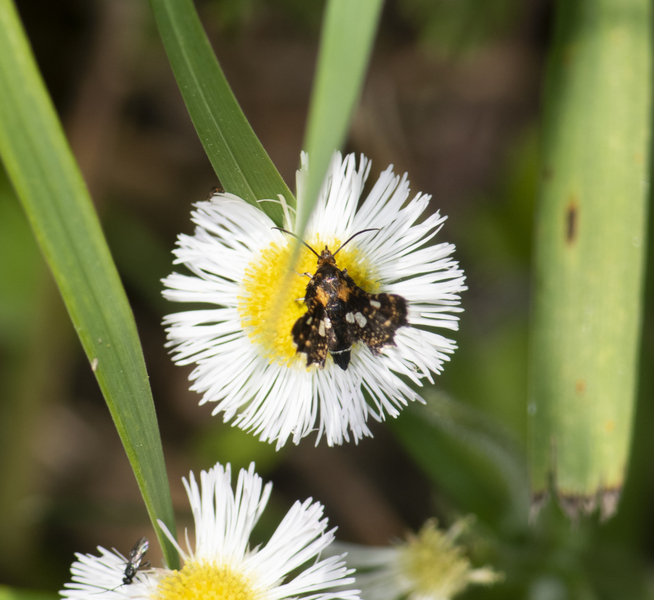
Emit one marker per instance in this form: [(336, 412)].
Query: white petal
[(94, 575)]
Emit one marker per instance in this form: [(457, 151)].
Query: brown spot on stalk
[(568, 55), (580, 386), (571, 221)]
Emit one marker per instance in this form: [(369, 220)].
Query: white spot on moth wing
[(328, 323), (309, 320), (360, 319), (321, 329), (349, 317), (375, 304)]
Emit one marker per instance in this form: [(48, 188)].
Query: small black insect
[(134, 559), (216, 191), (339, 313), (132, 563)]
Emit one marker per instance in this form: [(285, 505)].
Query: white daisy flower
[(223, 565), (427, 566), (242, 344)]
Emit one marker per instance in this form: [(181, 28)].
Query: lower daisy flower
[(261, 354), (428, 566), (223, 566)]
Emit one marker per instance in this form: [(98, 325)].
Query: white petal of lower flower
[(222, 563), (242, 346), (101, 577)]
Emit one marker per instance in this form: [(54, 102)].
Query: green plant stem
[(590, 242)]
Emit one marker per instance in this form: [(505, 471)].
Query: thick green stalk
[(590, 242)]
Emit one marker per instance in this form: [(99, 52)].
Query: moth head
[(326, 257)]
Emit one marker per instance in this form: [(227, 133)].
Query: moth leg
[(306, 274)]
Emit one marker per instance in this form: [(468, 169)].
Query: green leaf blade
[(48, 182), (347, 37), (237, 156)]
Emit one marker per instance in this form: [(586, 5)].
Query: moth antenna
[(297, 238), (352, 237)]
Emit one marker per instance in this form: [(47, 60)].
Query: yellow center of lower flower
[(434, 564), (272, 301), (203, 580)]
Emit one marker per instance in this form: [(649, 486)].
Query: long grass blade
[(238, 158), (347, 37), (47, 181)]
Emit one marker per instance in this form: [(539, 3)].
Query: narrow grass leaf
[(48, 183), (238, 158), (348, 33), (347, 36)]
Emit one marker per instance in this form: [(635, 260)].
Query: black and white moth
[(339, 313)]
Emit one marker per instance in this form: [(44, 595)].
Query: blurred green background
[(453, 98)]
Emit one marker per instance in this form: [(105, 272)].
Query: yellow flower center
[(434, 564), (203, 580), (273, 295)]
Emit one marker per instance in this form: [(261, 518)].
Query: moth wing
[(309, 336), (374, 318)]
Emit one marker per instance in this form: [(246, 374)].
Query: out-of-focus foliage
[(19, 268), (459, 25), (495, 244), (7, 593), (231, 15)]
